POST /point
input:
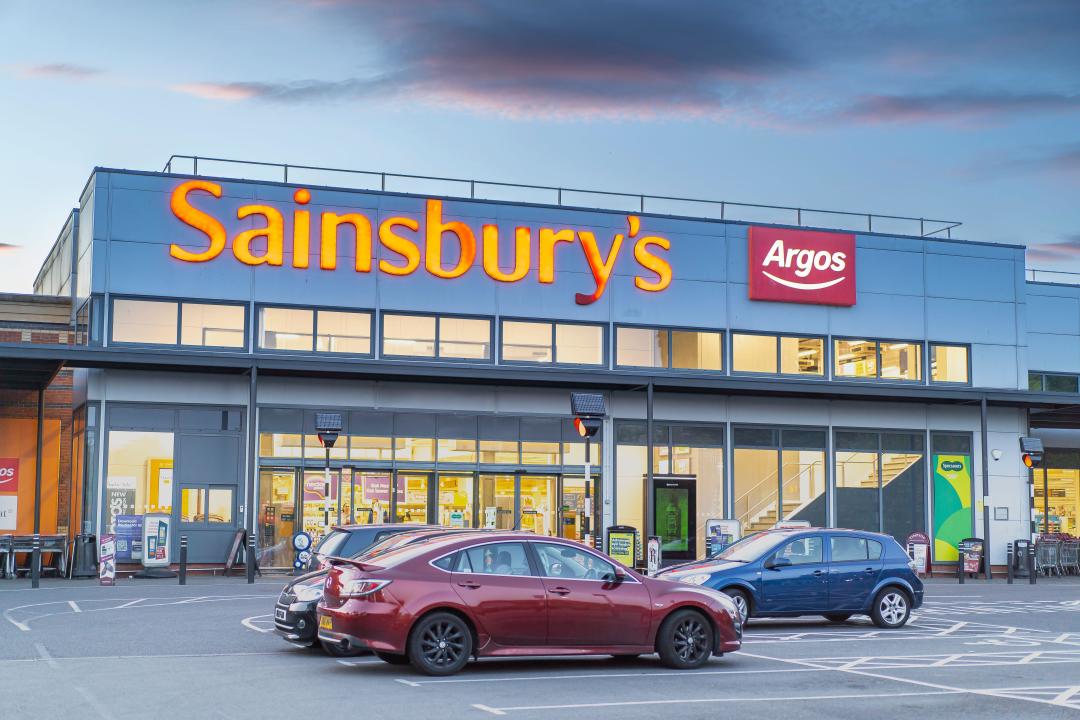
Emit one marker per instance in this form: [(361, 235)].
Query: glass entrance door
[(538, 504), (320, 507), (497, 502), (411, 497), (369, 497), (455, 500), (277, 517), (572, 507)]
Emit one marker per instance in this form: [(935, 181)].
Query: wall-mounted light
[(996, 454)]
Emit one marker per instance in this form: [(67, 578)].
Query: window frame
[(605, 359), (929, 363), (878, 341), (1043, 374), (180, 302), (670, 330), (314, 309), (438, 334), (826, 354)]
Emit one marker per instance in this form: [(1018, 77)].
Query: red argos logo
[(802, 266), (9, 475)]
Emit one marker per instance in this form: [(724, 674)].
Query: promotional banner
[(129, 538), (952, 514), (9, 493), (156, 540), (622, 544), (107, 560)]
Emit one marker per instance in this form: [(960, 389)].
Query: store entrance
[(519, 501)]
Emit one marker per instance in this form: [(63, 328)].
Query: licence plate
[(325, 623), (279, 614)]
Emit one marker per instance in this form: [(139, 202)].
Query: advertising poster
[(119, 498), (952, 505), (622, 546), (9, 493), (673, 518), (156, 540), (107, 560), (129, 530)]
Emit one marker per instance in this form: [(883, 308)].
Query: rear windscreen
[(331, 544)]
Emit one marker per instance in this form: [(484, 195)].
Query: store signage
[(9, 475), (802, 266), (107, 560), (412, 241), (155, 540), (9, 493)]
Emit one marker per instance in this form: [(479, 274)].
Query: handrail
[(765, 501), (937, 226), (1062, 277)]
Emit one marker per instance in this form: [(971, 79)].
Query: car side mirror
[(775, 563), (620, 574)]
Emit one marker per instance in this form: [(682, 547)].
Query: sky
[(961, 110)]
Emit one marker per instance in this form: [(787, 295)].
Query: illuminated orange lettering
[(601, 267), (274, 232), (522, 254), (435, 229), (328, 248), (651, 262), (402, 246), (548, 240), (197, 219), (301, 230)]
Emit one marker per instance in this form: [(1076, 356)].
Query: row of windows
[(1053, 382), (526, 341)]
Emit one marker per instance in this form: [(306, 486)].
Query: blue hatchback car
[(812, 571)]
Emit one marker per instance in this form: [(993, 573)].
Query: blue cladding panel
[(954, 276), (1059, 353)]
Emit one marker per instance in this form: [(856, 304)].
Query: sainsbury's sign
[(802, 266), (411, 242)]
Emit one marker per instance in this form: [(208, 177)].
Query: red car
[(438, 602)]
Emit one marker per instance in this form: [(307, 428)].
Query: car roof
[(827, 531), (401, 527)]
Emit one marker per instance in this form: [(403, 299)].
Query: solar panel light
[(1031, 451), (587, 405), (328, 426)]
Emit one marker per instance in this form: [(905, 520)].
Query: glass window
[(344, 332), (502, 452), (753, 353), (212, 325), (366, 447), (874, 549), (461, 451), (1035, 381), (641, 347), (314, 449), (412, 449), (535, 452), (802, 356), (901, 361), (526, 341), (499, 559), (847, 549), (579, 344), (560, 561), (280, 445), (574, 452), (192, 505), (949, 363), (694, 350), (857, 491), (1060, 383), (144, 321), (455, 507), (804, 551), (220, 505), (803, 489), (139, 477), (466, 338), (856, 358), (408, 335), (286, 329), (756, 488), (277, 510)]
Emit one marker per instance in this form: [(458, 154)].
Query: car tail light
[(362, 587)]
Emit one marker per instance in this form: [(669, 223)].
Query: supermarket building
[(876, 378)]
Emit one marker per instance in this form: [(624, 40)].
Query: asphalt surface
[(156, 649)]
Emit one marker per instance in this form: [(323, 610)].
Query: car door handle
[(469, 584), (870, 570), (819, 573), (560, 590)]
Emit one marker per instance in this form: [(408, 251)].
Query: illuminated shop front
[(758, 372)]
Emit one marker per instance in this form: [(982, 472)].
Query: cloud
[(8, 246), (1058, 161), (1065, 250), (770, 61), (60, 70)]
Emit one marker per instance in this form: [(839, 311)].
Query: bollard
[(1010, 557), (961, 567), (35, 562), (250, 558), (1031, 564), (183, 559)]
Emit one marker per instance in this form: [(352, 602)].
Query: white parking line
[(49, 659), (74, 606), (698, 701), (249, 623), (599, 676)]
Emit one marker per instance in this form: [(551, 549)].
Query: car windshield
[(752, 547)]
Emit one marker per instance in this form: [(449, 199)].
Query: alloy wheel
[(691, 640), (893, 608), (442, 644), (741, 606)]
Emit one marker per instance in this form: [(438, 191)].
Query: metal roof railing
[(566, 197), (1061, 277)]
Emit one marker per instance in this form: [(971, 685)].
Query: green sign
[(673, 518), (952, 505)]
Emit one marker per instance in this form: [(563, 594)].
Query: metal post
[(1031, 563), (286, 173), (1010, 557), (642, 205), (251, 504), (587, 525), (961, 567), (649, 529), (983, 412), (250, 558), (798, 216), (472, 189), (35, 559), (183, 560), (326, 493)]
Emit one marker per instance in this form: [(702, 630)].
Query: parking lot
[(206, 650)]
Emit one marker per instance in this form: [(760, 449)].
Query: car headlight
[(308, 593), (699, 579)]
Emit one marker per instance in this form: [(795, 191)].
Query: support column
[(35, 558), (251, 505), (648, 529), (985, 454)]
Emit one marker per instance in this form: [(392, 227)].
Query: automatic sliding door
[(370, 496), (320, 508), (277, 517), (538, 504), (496, 506), (455, 500), (412, 497)]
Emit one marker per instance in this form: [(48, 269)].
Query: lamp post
[(588, 410), (328, 426)]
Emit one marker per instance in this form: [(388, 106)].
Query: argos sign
[(802, 266), (9, 475), (413, 241)]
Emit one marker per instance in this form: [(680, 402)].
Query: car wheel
[(393, 658), (440, 644), (685, 640), (335, 650), (742, 602), (837, 617), (891, 608)]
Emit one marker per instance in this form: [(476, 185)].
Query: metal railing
[(1064, 277), (571, 197)]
